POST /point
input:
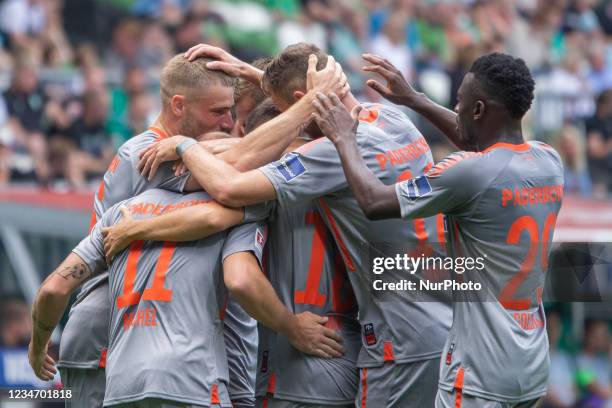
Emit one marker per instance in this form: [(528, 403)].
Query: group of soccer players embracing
[(195, 238)]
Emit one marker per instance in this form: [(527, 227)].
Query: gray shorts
[(160, 403), (456, 399), (271, 402), (86, 384), (399, 385), (246, 402)]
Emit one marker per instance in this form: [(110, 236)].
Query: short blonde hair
[(183, 77)]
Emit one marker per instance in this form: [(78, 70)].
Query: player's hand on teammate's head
[(42, 364), (225, 61), (157, 153), (312, 337), (397, 89), (334, 120), (119, 236), (327, 80)]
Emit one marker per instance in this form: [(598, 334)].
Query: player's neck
[(350, 101), (512, 133), (166, 124)]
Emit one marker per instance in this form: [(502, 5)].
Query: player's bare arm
[(48, 308), (306, 331), (268, 141), (400, 92), (186, 224), (377, 200)]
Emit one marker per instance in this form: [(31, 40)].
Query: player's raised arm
[(399, 91), (48, 308), (377, 200), (306, 331)]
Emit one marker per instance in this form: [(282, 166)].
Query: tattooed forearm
[(79, 272)]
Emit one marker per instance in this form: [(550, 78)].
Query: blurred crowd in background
[(80, 77)]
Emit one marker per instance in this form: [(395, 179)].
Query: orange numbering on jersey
[(310, 295), (157, 291), (529, 225)]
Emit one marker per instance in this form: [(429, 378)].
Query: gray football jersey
[(166, 331), (501, 205), (393, 329), (305, 268), (121, 181)]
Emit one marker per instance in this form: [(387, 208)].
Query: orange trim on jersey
[(271, 383), (100, 192), (112, 167), (364, 387), (388, 351), (459, 387), (102, 361), (449, 162), (458, 397), (336, 233), (459, 378), (523, 147), (420, 231), (161, 134), (93, 221), (368, 115), (214, 394)]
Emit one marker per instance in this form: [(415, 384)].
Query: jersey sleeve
[(310, 172), (447, 188), (91, 248), (246, 237), (164, 177), (258, 212)]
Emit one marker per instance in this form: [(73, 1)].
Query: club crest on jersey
[(449, 354), (418, 187), (368, 333), (290, 166), (259, 239)]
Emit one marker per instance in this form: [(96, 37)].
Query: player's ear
[(177, 104), (479, 110), (297, 95)]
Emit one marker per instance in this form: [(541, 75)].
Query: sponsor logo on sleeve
[(290, 166), (417, 187)]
